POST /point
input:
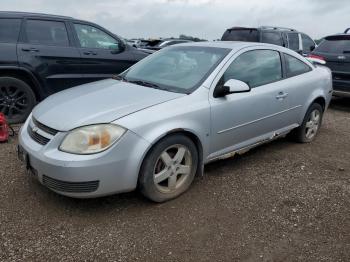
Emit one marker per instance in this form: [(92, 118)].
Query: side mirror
[(312, 48), (232, 86), (117, 48)]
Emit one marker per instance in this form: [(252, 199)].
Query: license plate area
[(24, 157)]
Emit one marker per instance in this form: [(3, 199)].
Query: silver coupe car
[(156, 125)]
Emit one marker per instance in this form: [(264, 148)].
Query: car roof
[(267, 28), (234, 45), (12, 14)]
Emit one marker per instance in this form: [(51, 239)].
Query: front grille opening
[(37, 137), (70, 187), (46, 129), (32, 131)]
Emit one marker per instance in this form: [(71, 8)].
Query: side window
[(307, 43), (271, 38), (9, 30), (47, 33), (294, 66), (92, 37), (256, 68), (293, 40)]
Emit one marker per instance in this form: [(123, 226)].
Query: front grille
[(70, 187), (46, 129), (37, 137)]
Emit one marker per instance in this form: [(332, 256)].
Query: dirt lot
[(279, 202)]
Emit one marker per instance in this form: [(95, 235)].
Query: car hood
[(99, 102)]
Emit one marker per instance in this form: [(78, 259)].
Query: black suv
[(281, 36), (42, 54), (335, 50)]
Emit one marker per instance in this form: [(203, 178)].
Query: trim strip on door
[(257, 120)]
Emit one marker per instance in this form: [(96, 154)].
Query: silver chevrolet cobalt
[(155, 126)]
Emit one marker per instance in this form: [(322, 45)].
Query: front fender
[(189, 113)]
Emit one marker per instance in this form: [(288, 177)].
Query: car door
[(46, 49), (243, 119), (103, 55)]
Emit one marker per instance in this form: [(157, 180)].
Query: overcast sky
[(201, 18)]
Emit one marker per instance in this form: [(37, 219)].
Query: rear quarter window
[(9, 30), (294, 66)]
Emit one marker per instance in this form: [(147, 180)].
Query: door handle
[(281, 95), (32, 49), (89, 53)]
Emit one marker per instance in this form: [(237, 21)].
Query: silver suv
[(158, 124)]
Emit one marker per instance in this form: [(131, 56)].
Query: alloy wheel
[(13, 101), (172, 168), (312, 125)]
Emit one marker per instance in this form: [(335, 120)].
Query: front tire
[(308, 130), (169, 168), (17, 99)]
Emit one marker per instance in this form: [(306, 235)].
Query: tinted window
[(294, 66), (271, 38), (337, 45), (307, 42), (293, 40), (47, 33), (256, 68), (248, 35), (9, 30), (92, 37)]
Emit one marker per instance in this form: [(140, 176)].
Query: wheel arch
[(26, 76), (321, 101), (180, 131)]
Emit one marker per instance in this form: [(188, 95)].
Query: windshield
[(177, 69)]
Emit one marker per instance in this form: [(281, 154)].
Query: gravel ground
[(279, 202)]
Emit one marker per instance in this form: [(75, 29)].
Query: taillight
[(4, 128), (316, 59)]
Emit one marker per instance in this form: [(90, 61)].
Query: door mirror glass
[(236, 86)]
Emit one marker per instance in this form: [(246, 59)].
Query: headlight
[(91, 139)]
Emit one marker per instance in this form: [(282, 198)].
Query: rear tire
[(169, 168), (308, 130), (17, 99)]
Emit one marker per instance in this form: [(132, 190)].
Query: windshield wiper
[(147, 84)]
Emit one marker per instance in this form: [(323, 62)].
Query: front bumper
[(85, 176)]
